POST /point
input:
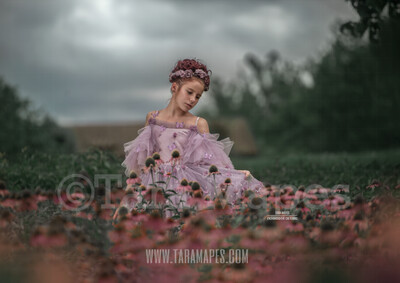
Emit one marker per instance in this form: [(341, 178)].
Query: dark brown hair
[(193, 65)]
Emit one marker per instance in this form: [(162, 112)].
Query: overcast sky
[(106, 61)]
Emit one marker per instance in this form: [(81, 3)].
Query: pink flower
[(200, 73), (179, 74), (375, 184), (319, 191), (132, 181), (188, 73), (182, 189)]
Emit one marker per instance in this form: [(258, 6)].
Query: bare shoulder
[(202, 126)]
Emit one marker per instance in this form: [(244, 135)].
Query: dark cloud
[(86, 61), (34, 14)]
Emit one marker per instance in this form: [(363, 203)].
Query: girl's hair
[(188, 68)]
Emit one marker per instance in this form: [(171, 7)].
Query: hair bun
[(188, 68)]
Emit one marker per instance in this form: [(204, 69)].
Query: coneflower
[(186, 212), (133, 179), (123, 211), (150, 162), (156, 156), (175, 154), (198, 194), (141, 188), (195, 186), (255, 203), (132, 175), (227, 183), (213, 169), (184, 186), (155, 195), (267, 185)]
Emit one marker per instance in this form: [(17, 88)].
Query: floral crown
[(189, 68)]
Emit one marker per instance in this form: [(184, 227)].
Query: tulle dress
[(197, 153)]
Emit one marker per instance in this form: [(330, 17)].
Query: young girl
[(175, 129)]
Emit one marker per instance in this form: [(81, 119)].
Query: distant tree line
[(347, 100), (22, 128)]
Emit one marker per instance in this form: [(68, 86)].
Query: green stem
[(169, 177), (180, 201), (152, 175), (215, 187)]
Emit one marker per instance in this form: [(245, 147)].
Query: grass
[(45, 171), (357, 170)]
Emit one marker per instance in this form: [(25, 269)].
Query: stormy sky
[(108, 61)]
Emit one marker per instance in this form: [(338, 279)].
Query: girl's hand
[(246, 172)]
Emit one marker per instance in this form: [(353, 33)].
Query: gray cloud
[(108, 61)]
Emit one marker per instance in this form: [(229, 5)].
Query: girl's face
[(188, 95)]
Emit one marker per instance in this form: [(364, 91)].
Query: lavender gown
[(197, 153)]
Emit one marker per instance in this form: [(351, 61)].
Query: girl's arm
[(202, 126)]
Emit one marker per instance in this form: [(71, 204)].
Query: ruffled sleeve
[(206, 149), (137, 150)]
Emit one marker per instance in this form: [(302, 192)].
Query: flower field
[(283, 233)]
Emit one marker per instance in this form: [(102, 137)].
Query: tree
[(22, 127), (371, 18)]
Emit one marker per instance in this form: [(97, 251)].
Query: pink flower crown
[(188, 74)]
